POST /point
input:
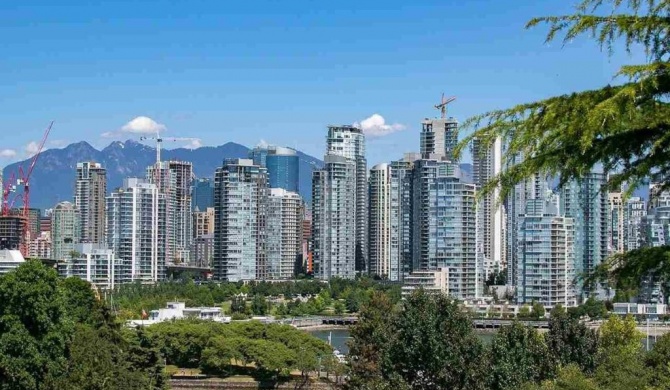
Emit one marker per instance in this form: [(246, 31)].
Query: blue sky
[(280, 71)]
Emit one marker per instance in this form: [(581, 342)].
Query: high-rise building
[(307, 266), (545, 256), (240, 193), (444, 226), (655, 232), (64, 230), (379, 223), (203, 222), (165, 181), (183, 172), (282, 165), (45, 224), (657, 196), (89, 200), (400, 233), (586, 201), (202, 251), (34, 216), (202, 245), (133, 215), (13, 233), (616, 230), (259, 154), (487, 163), (283, 239), (439, 137), (98, 265), (334, 218), (349, 142), (173, 180), (635, 209), (203, 194), (40, 246), (535, 187)]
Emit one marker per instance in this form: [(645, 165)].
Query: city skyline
[(83, 84)]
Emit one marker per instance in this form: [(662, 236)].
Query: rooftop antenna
[(443, 105)]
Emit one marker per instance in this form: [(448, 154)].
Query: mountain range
[(53, 178)]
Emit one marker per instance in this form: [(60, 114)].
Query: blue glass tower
[(282, 165), (203, 194)]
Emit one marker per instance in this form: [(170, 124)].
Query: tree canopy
[(624, 127)]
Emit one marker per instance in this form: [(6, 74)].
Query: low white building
[(436, 281), (651, 310), (178, 311), (10, 260)]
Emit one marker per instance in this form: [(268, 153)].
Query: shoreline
[(323, 327)]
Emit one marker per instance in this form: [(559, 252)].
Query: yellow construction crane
[(443, 106)]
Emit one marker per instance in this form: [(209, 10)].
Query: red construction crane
[(13, 186), (25, 176)]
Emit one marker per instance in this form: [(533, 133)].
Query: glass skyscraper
[(240, 199), (444, 231), (587, 202), (203, 194), (281, 163), (349, 142), (545, 258)]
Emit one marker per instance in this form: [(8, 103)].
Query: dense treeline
[(265, 351), (55, 334), (429, 343), (339, 294)]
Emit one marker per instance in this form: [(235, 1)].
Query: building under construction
[(13, 233)]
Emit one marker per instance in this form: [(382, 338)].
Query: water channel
[(340, 337)]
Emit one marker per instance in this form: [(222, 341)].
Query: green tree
[(79, 299), (569, 378), (434, 346), (518, 354), (620, 335), (259, 306), (219, 355), (621, 365), (34, 328), (524, 312), (658, 361), (370, 338), (623, 127), (571, 342), (339, 308), (144, 356), (537, 311)]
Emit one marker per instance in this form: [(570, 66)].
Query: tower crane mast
[(443, 105)]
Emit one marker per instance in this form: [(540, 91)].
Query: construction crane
[(443, 105), (159, 142), (157, 172), (13, 184)]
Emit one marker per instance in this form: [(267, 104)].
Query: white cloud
[(57, 143), (7, 153), (262, 144), (376, 126), (109, 134), (31, 148), (143, 125), (193, 143)]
